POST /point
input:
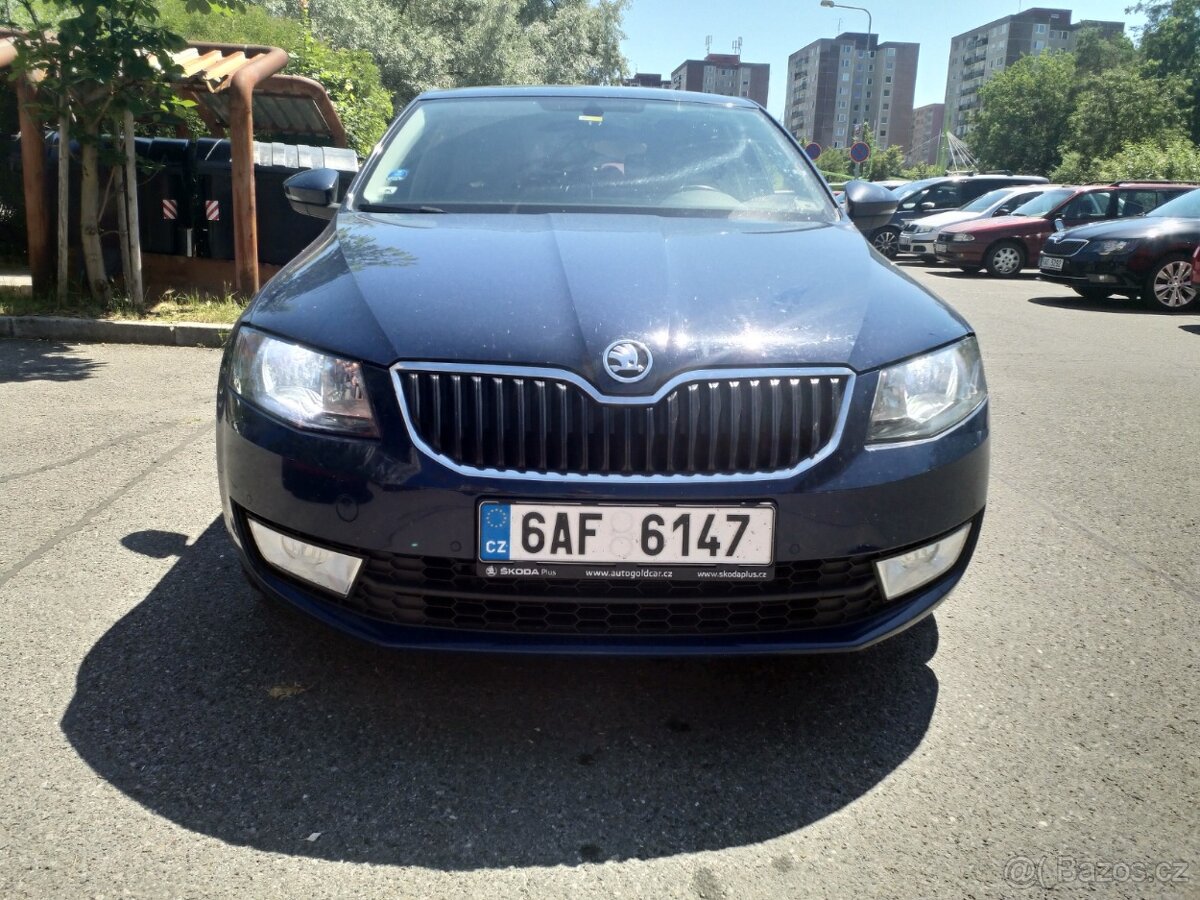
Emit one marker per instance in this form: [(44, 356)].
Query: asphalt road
[(162, 734)]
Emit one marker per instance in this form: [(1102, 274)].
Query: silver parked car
[(917, 235)]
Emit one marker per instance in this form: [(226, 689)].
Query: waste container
[(165, 192), (214, 199), (282, 232)]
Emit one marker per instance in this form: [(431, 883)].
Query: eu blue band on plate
[(494, 520)]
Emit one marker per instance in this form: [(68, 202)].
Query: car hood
[(1006, 225), (1137, 227), (944, 219), (557, 289)]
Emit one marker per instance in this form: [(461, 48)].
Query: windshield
[(1039, 206), (907, 190), (982, 204), (1186, 206), (595, 154)]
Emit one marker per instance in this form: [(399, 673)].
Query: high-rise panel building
[(978, 55), (723, 73), (927, 134), (839, 88)]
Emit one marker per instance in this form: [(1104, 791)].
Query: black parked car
[(1149, 256), (935, 195), (600, 370)]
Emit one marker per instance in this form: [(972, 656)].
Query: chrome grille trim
[(1064, 248), (616, 463)]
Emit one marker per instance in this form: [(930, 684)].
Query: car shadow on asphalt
[(22, 360), (982, 277), (1191, 329), (247, 722), (1109, 305)]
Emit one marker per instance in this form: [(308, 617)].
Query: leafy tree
[(1170, 45), (1097, 52), (451, 43), (922, 170), (886, 163), (1075, 168), (1125, 105), (834, 163), (1024, 113)]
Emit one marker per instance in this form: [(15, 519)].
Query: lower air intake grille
[(447, 593)]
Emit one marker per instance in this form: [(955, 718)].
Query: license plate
[(1049, 262), (717, 536), (939, 247), (905, 243)]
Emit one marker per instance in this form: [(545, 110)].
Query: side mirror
[(869, 205), (313, 192), (1059, 226), (1002, 211)]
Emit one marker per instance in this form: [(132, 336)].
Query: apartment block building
[(840, 88), (978, 55), (723, 73), (928, 122)]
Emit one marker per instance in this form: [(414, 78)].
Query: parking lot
[(165, 734)]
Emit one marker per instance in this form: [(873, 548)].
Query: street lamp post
[(829, 4)]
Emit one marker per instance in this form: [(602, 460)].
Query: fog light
[(317, 565), (907, 572)]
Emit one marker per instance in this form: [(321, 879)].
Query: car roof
[(591, 91)]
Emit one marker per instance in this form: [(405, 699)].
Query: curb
[(102, 331)]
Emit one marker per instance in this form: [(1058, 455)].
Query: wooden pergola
[(231, 84)]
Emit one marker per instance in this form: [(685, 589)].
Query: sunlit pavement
[(166, 734)]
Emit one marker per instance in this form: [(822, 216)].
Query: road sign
[(813, 150), (860, 152)]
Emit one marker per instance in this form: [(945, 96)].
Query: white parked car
[(917, 235)]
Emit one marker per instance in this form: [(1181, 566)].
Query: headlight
[(1107, 248), (925, 396), (962, 237), (301, 386)]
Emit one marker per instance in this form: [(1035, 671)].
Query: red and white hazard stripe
[(212, 210), (169, 208)]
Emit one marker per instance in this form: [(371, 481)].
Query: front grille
[(446, 593), (1068, 247), (518, 421)]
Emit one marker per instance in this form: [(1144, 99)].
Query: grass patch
[(171, 307)]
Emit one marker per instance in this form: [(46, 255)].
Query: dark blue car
[(600, 370)]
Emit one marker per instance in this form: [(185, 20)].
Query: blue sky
[(661, 34)]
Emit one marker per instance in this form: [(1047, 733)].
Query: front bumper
[(1121, 274), (961, 253), (415, 522), (917, 243)]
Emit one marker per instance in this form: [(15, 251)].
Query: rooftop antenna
[(708, 43), (737, 47)]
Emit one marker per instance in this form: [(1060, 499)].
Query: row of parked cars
[(1133, 239)]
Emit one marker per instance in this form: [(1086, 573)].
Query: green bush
[(1175, 160)]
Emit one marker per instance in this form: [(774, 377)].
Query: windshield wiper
[(395, 207)]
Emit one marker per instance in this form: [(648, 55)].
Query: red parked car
[(1006, 245)]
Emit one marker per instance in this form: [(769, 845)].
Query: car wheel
[(886, 241), (1169, 285), (1093, 293), (1004, 260)]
